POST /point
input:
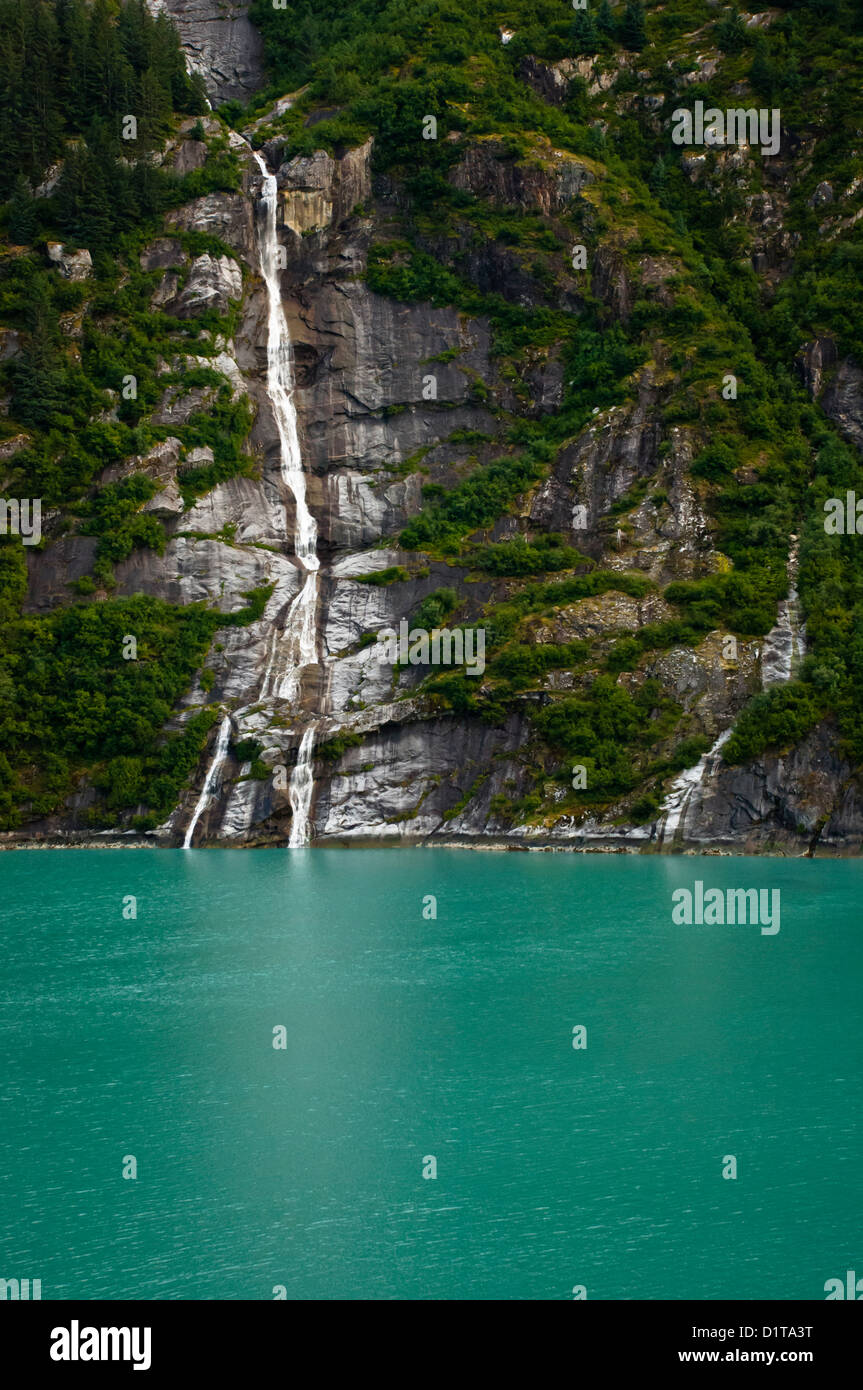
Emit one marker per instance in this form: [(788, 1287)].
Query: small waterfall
[(785, 644), (300, 790), (219, 754), (298, 646), (676, 803)]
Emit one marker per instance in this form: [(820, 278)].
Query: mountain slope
[(558, 380)]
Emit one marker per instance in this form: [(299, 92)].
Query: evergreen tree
[(66, 63), (585, 38), (154, 110), (85, 208), (731, 34), (658, 180), (21, 218), (37, 390), (762, 73), (633, 34), (605, 22)]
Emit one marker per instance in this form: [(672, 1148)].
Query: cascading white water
[(220, 752), (784, 646), (300, 790), (297, 647), (676, 803)]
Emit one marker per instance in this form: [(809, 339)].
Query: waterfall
[(298, 645), (680, 793), (781, 655), (785, 644), (218, 758), (300, 790)]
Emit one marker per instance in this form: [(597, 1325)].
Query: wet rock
[(813, 360), (806, 797), (838, 385), (192, 154), (178, 405), (52, 572), (610, 283), (167, 503), (365, 404), (693, 166), (549, 80), (50, 181), (10, 343), (159, 463), (162, 254), (404, 778), (197, 571)]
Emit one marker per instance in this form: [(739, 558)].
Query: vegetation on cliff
[(768, 457), (70, 705), (703, 265)]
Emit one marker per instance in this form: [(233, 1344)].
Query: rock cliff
[(220, 43), (390, 763)]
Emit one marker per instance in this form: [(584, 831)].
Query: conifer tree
[(633, 34), (585, 38), (731, 35), (605, 22), (658, 178), (37, 377), (21, 219)]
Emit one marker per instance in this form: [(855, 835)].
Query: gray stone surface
[(220, 43)]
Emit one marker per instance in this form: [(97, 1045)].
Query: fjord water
[(409, 1037)]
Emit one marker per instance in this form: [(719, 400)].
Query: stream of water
[(294, 648), (298, 645)]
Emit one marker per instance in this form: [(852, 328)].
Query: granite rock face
[(220, 43), (543, 187), (837, 384), (409, 775), (391, 396)]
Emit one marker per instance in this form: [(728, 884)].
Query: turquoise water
[(409, 1037)]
